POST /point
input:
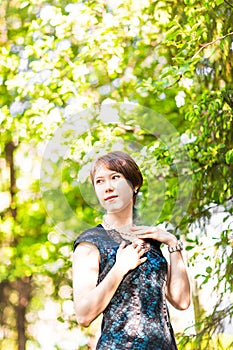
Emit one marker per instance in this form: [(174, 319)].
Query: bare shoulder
[(86, 248), (86, 259)]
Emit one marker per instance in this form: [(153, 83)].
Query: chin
[(116, 209), (113, 210)]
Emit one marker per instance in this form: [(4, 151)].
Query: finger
[(143, 234), (142, 260), (143, 250), (134, 245), (137, 228), (142, 231), (139, 248)]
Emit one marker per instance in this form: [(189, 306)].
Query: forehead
[(102, 170)]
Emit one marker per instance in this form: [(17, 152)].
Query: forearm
[(178, 286), (89, 306)]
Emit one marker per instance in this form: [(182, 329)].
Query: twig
[(203, 46), (228, 3), (175, 82)]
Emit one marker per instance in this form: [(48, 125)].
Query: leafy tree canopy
[(60, 58)]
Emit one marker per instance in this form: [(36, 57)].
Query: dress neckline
[(113, 234), (116, 237)]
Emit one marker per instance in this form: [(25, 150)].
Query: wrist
[(120, 270), (176, 248), (173, 241)]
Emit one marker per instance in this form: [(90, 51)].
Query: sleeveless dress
[(137, 316)]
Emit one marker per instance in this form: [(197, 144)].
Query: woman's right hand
[(129, 257)]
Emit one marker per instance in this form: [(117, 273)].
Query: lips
[(110, 197)]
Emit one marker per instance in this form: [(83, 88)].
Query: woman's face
[(113, 190)]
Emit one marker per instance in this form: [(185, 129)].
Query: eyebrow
[(112, 173)]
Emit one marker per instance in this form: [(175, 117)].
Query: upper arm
[(85, 268)]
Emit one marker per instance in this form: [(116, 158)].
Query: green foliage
[(221, 342), (59, 58)]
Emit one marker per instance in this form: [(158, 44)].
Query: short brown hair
[(122, 163)]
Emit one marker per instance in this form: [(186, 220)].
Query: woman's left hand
[(155, 233), (178, 286)]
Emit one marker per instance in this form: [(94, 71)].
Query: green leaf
[(229, 157)]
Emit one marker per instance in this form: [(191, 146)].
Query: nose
[(108, 186)]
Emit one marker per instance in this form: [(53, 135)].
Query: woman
[(119, 269)]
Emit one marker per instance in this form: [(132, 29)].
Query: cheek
[(125, 188), (98, 192)]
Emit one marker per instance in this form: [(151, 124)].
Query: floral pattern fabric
[(137, 315)]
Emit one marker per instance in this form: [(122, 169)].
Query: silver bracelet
[(176, 248)]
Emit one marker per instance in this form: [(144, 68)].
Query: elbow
[(84, 319), (183, 304), (82, 316), (82, 322), (180, 303)]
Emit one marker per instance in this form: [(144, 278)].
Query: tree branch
[(227, 2), (203, 46)]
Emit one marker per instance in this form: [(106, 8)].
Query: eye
[(99, 181), (116, 176)]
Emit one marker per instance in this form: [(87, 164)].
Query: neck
[(118, 220)]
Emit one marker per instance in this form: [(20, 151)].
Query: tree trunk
[(21, 285), (23, 288), (198, 310)]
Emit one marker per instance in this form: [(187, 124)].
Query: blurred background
[(60, 58)]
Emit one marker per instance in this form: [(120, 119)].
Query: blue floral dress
[(137, 315)]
